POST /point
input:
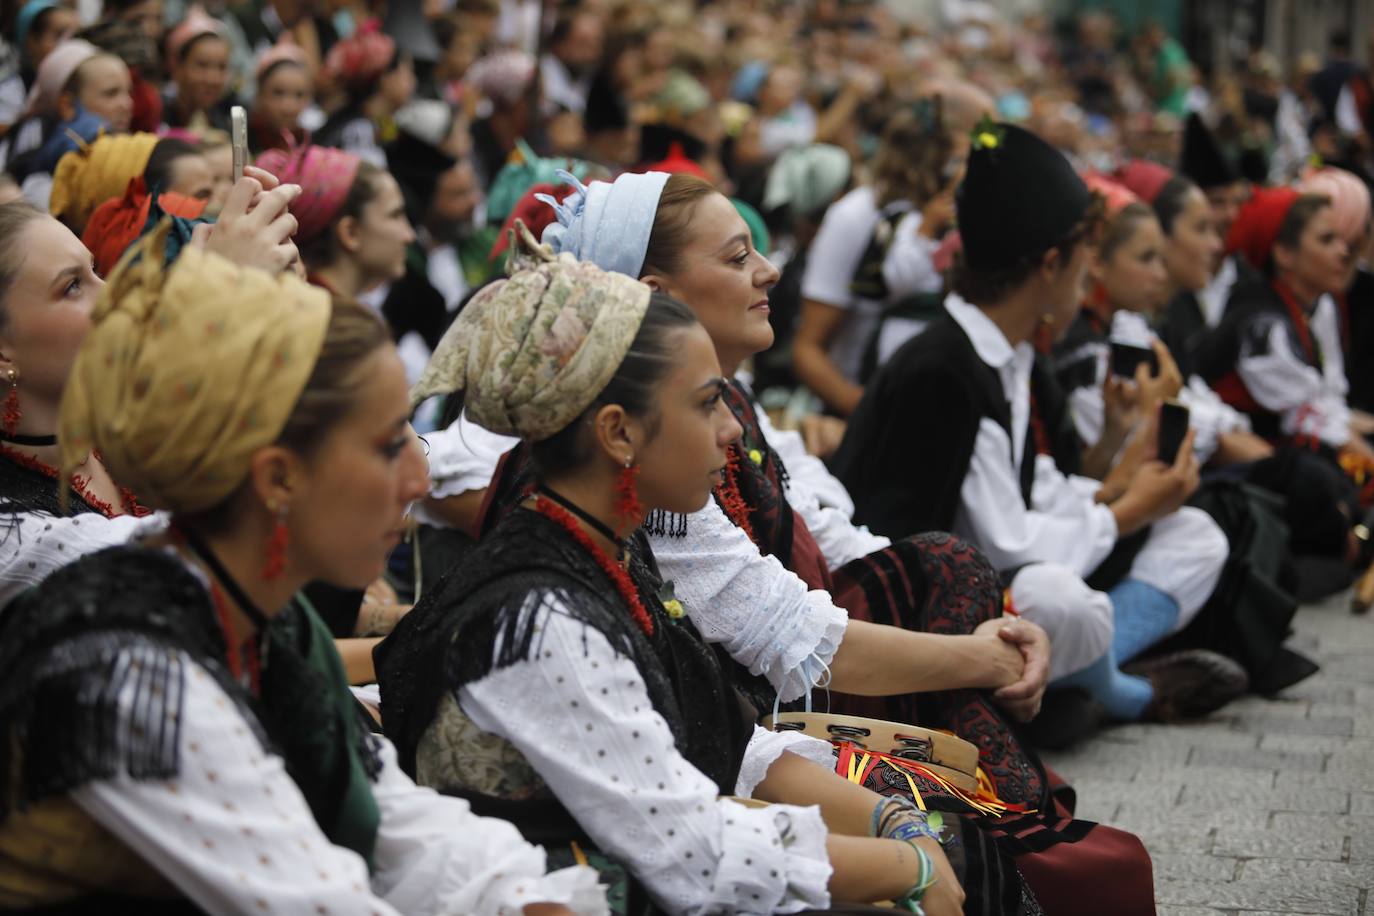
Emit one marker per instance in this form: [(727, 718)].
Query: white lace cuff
[(766, 747)]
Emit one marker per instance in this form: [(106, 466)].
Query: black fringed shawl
[(63, 647), (473, 622)]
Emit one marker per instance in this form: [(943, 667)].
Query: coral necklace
[(730, 499), (80, 485), (556, 508)]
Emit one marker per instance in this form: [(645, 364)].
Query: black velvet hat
[(1202, 161), (1019, 198)]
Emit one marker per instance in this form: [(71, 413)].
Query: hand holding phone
[(1126, 357), (1170, 430), (238, 135)]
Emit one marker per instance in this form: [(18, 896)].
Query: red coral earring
[(627, 504), (275, 564), (12, 411)]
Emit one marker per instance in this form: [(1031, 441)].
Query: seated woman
[(379, 78), (971, 380), (546, 677), (353, 229), (1131, 272), (79, 92), (774, 569), (284, 91), (180, 728), (45, 311), (197, 53), (1264, 358)]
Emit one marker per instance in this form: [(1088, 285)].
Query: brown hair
[(1298, 216), (354, 333), (672, 222), (1119, 229), (14, 219), (912, 158)]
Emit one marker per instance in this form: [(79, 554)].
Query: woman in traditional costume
[(179, 734), (970, 379), (47, 292), (781, 506), (552, 676), (197, 97), (1133, 270), (353, 231), (285, 89), (379, 79)]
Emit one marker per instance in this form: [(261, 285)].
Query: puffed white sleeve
[(766, 617), (1063, 525), (580, 714), (234, 834), (32, 546), (765, 747), (812, 492), (463, 457), (1280, 381), (1210, 417)]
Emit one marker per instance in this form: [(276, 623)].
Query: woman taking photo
[(353, 230), (546, 675), (211, 751)]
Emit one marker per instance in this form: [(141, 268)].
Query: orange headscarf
[(116, 224)]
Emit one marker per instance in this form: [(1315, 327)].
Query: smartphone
[(1125, 358), (238, 135), (1173, 426)]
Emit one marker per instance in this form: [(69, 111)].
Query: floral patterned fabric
[(531, 353), (173, 426)]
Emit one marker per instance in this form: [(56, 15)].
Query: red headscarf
[(1143, 178), (1257, 224), (1116, 195), (535, 214), (325, 175), (359, 59), (117, 223), (678, 163)]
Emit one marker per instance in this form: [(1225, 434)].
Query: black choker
[(236, 592), (601, 527), (28, 440)]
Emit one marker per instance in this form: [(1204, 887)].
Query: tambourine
[(953, 758)]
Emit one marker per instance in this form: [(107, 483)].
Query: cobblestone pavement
[(1266, 807)]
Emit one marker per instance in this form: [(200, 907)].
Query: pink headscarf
[(503, 76), (325, 175), (196, 25), (1144, 178), (1349, 199), (1117, 196), (360, 58), (56, 71), (284, 51)]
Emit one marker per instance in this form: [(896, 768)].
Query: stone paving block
[(1299, 743), (1317, 690), (1362, 803), (1257, 759), (1314, 724), (1187, 911), (1327, 844), (1313, 801), (1249, 706), (1180, 866), (1264, 896), (1164, 840), (1168, 750), (1354, 668), (1208, 776), (1348, 874), (1200, 818), (1102, 792)]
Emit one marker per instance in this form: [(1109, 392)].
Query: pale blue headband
[(606, 223)]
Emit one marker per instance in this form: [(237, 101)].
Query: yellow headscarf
[(187, 371), (85, 178)]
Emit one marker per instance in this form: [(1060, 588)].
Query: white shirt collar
[(987, 338)]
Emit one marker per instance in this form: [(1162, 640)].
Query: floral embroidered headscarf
[(531, 353)]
